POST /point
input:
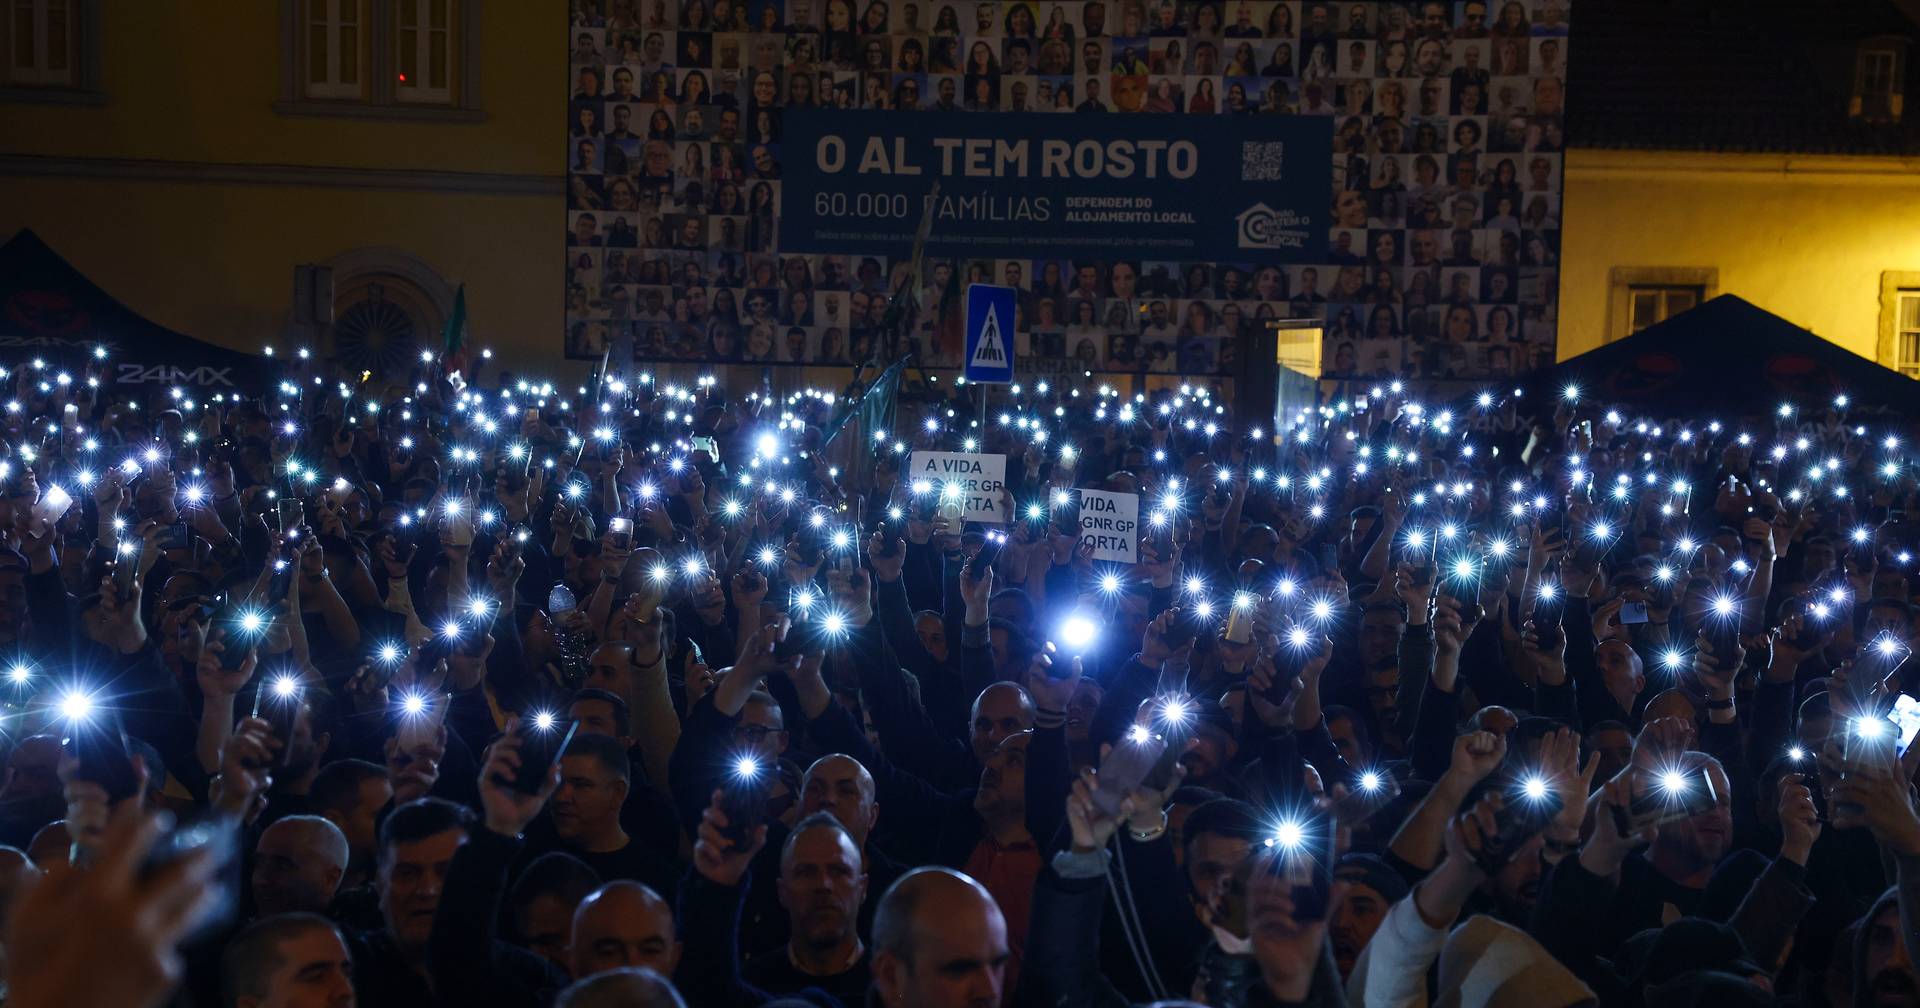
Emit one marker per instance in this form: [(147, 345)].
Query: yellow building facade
[(1830, 243), (188, 157)]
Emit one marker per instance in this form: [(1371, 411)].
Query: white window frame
[(42, 73), (456, 99), (1663, 292), (414, 18), (333, 86), (1884, 103), (1623, 281), (1904, 363)]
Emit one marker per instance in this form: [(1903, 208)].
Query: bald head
[(1001, 710), (298, 864), (623, 924), (939, 940), (839, 785), (628, 987), (609, 667), (1671, 703)]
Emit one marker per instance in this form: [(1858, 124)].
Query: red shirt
[(1009, 873)]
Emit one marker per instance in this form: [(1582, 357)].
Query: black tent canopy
[(1730, 357), (51, 311)]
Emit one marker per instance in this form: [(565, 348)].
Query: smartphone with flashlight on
[(1240, 617), (277, 702), (1664, 797), (420, 720), (1300, 855), (1722, 634), (990, 548), (1126, 766), (1549, 605), (290, 514), (52, 505), (1632, 612), (543, 740), (743, 798), (1529, 809), (1416, 552), (126, 564), (282, 581), (1064, 513), (620, 528), (1368, 792), (99, 748), (239, 628)]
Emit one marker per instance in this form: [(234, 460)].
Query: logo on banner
[(1261, 226)]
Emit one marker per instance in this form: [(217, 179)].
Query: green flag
[(875, 407), (456, 334)]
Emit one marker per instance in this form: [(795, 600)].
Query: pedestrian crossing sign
[(990, 311)]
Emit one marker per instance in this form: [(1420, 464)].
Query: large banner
[(1028, 185), (1419, 147)]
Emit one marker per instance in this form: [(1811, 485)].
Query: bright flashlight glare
[(1109, 583), (1175, 711), (76, 706), (746, 767), (1723, 605), (544, 720), (1370, 781), (1077, 632), (1288, 836), (413, 703), (1138, 734), (1869, 728), (389, 652), (1534, 788), (1673, 780), (19, 673)]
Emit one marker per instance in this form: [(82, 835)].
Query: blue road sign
[(990, 334)]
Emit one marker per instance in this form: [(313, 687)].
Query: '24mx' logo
[(136, 373)]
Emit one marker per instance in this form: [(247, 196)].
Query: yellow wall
[(1805, 238), (194, 85)]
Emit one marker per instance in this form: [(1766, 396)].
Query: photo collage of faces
[(1447, 129)]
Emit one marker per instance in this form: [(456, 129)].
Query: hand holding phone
[(543, 740), (743, 798)]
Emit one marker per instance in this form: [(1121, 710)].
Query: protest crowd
[(464, 689)]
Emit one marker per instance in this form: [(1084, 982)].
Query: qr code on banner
[(1262, 160)]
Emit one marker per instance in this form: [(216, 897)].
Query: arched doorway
[(387, 306)]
